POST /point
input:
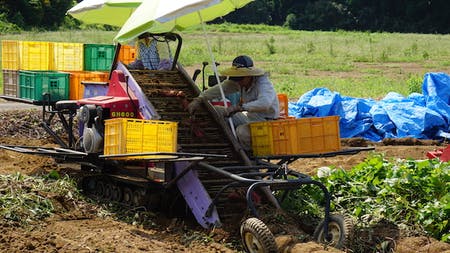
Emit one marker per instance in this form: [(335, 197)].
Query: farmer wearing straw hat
[(258, 102)]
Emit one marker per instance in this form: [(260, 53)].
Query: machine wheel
[(127, 195), (99, 188), (256, 237), (107, 193), (136, 198), (116, 193), (85, 113), (89, 185), (340, 229)]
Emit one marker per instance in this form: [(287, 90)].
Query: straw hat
[(242, 66)]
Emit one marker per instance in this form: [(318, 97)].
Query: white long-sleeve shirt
[(260, 98)]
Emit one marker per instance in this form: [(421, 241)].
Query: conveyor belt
[(170, 92)]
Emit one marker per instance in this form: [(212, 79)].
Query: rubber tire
[(84, 115), (341, 229), (256, 237)]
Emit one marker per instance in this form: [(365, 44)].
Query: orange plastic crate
[(316, 135), (68, 56), (76, 89), (36, 55), (127, 54), (281, 138), (10, 55), (127, 136), (296, 136)]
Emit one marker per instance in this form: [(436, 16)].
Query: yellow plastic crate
[(127, 54), (10, 55), (261, 138), (127, 136), (271, 137), (76, 90), (68, 56), (296, 136), (36, 55)]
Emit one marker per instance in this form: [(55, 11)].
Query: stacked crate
[(98, 57), (68, 56), (10, 67), (77, 78), (40, 86), (127, 54), (33, 68), (39, 80)]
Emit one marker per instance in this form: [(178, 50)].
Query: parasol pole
[(216, 74)]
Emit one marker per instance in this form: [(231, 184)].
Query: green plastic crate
[(34, 84), (98, 57)]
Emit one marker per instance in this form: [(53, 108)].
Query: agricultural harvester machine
[(204, 174)]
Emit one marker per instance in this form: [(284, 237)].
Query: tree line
[(412, 16), (407, 16)]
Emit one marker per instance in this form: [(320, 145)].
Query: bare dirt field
[(78, 227)]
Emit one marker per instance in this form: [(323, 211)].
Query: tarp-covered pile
[(422, 116)]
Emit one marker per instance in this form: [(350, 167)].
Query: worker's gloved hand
[(194, 105), (232, 110)]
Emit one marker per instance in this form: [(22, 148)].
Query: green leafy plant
[(409, 193), (310, 47), (25, 199), (271, 46), (414, 83)]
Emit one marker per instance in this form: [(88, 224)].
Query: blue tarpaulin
[(422, 116)]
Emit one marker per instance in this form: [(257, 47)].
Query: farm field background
[(355, 64)]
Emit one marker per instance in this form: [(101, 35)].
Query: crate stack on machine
[(10, 67), (57, 69)]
